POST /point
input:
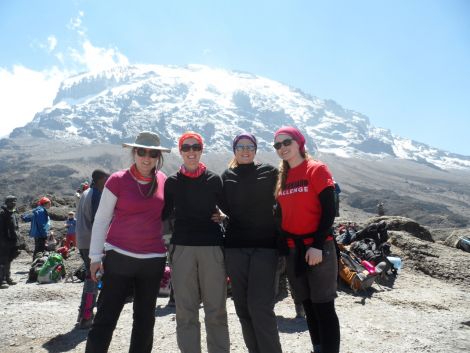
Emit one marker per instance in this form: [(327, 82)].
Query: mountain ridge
[(113, 105), (31, 167)]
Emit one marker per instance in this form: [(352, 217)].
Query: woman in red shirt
[(305, 194)]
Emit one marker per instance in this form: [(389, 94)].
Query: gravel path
[(415, 314)]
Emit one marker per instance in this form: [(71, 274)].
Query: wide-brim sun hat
[(149, 140)]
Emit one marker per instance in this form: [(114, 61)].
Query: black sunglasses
[(142, 152), (250, 148), (286, 142), (196, 147)]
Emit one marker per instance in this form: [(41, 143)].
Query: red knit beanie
[(43, 200), (295, 134), (190, 134)]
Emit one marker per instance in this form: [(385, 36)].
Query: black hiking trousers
[(39, 246), (121, 274), (8, 252)]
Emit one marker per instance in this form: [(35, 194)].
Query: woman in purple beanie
[(251, 254)]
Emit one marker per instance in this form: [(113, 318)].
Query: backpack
[(353, 273), (464, 243), (344, 237), (52, 270), (64, 251), (38, 261), (367, 249), (376, 231)]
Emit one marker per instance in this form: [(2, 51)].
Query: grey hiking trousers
[(253, 275), (198, 274)]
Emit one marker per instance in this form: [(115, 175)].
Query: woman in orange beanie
[(192, 196)]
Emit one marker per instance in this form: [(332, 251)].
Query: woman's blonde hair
[(282, 176), (233, 163)]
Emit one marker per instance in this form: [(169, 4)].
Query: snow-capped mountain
[(114, 105)]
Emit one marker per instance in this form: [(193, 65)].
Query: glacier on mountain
[(113, 105)]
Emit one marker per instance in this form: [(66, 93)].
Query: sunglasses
[(240, 148), (286, 142), (196, 147), (142, 152)]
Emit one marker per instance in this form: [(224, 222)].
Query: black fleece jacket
[(9, 230), (248, 191), (192, 201)]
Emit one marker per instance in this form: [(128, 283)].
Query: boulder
[(408, 225), (58, 213), (436, 260), (456, 235)]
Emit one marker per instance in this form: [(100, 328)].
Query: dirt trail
[(418, 314)]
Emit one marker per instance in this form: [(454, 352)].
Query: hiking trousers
[(252, 272), (198, 274), (8, 252), (121, 273), (317, 290), (318, 283), (39, 246), (90, 290), (71, 240)]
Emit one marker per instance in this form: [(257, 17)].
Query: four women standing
[(132, 208)]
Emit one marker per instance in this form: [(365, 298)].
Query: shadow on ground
[(291, 325), (164, 310), (66, 342)]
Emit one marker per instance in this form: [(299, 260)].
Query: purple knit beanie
[(244, 135)]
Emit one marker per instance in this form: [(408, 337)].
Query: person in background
[(192, 196), (86, 211), (128, 227), (9, 240), (305, 192), (380, 209), (40, 223), (80, 190), (337, 192), (251, 253), (70, 223)]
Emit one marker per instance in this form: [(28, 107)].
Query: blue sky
[(405, 64)]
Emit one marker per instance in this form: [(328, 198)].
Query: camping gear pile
[(47, 268), (365, 255)]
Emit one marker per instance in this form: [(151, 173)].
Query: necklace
[(149, 191)]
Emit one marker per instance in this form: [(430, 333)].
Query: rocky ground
[(425, 309)]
